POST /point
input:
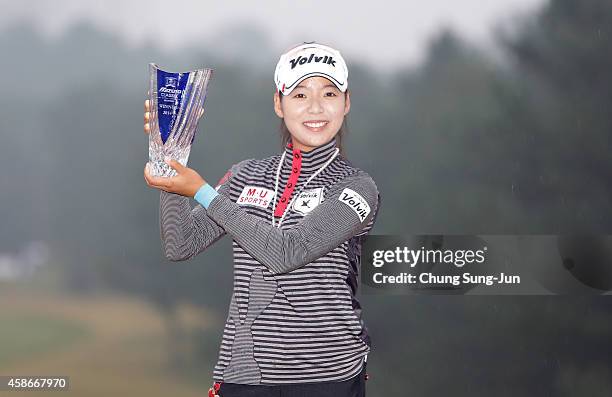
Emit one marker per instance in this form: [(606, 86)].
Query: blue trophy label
[(169, 100)]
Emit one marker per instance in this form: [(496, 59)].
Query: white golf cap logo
[(308, 60)]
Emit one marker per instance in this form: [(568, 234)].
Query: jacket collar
[(314, 158)]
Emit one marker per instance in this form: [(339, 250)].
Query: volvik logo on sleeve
[(356, 202), (302, 60), (255, 195)]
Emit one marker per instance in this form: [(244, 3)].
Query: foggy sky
[(385, 34)]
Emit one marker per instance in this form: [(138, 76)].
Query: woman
[(296, 219)]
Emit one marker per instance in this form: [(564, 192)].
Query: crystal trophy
[(176, 104)]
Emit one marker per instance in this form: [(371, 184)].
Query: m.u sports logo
[(255, 195)]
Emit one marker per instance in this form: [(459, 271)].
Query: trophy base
[(158, 167)]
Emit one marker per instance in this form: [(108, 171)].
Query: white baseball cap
[(307, 60)]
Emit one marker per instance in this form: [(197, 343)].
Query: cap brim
[(340, 85)]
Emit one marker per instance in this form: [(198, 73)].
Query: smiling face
[(313, 112)]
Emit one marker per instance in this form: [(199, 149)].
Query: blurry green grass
[(107, 344), (27, 335)]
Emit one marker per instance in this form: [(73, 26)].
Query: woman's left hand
[(186, 183)]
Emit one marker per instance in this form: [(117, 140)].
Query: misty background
[(495, 128)]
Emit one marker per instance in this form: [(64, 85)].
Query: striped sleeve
[(347, 210), (185, 232), (366, 230)]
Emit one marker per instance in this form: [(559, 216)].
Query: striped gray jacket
[(293, 316)]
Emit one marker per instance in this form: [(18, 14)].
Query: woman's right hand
[(147, 116)]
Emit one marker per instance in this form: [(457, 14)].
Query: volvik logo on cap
[(302, 60), (308, 60)]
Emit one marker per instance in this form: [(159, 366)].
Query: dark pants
[(354, 387)]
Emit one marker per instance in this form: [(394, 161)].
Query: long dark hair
[(285, 135)]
